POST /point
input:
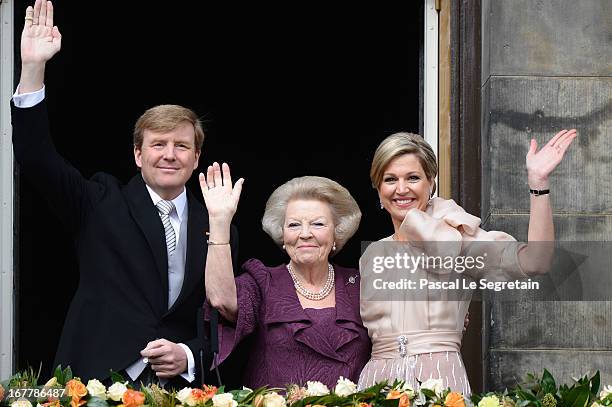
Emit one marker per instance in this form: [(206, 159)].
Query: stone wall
[(547, 65)]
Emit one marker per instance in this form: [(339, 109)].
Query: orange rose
[(454, 399), (404, 400), (52, 403), (76, 390), (133, 398), (201, 396), (1, 392), (362, 404), (210, 391)]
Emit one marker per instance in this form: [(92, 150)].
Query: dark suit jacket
[(121, 300)]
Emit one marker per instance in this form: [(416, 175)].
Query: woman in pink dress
[(414, 339)]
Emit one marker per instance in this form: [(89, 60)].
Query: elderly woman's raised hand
[(40, 39), (220, 196), (540, 164)]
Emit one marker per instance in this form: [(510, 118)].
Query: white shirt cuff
[(24, 100), (189, 375)]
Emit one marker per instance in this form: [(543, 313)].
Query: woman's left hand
[(542, 163)]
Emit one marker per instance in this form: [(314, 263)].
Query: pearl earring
[(334, 247), (381, 205), (283, 247)]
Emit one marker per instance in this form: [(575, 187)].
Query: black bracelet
[(538, 192)]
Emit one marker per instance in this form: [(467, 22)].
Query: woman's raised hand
[(540, 164), (220, 196), (40, 39)]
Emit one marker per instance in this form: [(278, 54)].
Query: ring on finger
[(29, 18)]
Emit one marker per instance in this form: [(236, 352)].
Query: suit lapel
[(197, 225), (147, 218)]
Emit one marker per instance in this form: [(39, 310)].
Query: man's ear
[(197, 159), (138, 156)]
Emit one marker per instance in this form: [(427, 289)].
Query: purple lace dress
[(292, 344)]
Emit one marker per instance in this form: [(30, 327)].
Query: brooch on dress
[(403, 340), (352, 279)]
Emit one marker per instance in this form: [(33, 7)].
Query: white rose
[(115, 392), (96, 389), (273, 399), (434, 385), (406, 388), (345, 387), (316, 389), (21, 403), (185, 396), (605, 391), (224, 400)]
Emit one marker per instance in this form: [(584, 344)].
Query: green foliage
[(27, 378), (63, 376), (534, 391), (97, 402)]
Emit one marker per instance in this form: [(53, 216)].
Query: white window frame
[(430, 73), (7, 292)]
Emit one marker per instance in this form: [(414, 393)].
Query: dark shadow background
[(283, 92)]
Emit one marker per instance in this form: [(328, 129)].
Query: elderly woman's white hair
[(343, 207)]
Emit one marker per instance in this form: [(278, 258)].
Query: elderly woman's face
[(404, 186), (308, 232)]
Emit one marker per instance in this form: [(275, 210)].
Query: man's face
[(167, 160)]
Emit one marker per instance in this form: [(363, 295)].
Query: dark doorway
[(284, 92)]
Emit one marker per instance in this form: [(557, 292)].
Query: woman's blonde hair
[(344, 209), (397, 145)]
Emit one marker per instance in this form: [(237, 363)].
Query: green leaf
[(577, 396), (388, 403), (547, 383), (59, 375), (525, 395), (428, 393), (68, 374), (116, 377), (97, 402), (595, 383), (582, 399)]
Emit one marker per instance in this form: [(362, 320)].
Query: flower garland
[(64, 390)]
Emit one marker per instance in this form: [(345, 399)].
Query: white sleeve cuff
[(189, 375), (24, 100)]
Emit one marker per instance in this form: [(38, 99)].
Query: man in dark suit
[(141, 247)]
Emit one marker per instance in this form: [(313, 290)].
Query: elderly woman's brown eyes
[(293, 224)]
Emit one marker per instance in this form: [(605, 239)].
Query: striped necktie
[(165, 208)]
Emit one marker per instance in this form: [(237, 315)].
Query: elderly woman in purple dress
[(303, 315)]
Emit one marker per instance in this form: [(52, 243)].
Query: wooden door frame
[(459, 111)]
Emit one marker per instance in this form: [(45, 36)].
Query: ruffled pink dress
[(419, 340)]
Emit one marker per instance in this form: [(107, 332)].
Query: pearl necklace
[(314, 296)]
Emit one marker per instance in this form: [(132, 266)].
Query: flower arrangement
[(64, 390)]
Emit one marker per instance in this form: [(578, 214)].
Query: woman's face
[(308, 232), (404, 186)]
